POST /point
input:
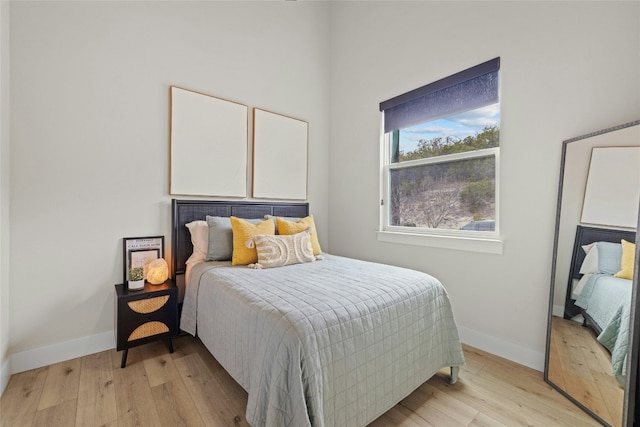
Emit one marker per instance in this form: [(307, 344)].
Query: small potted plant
[(136, 278)]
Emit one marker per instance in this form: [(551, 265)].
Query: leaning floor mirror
[(593, 326)]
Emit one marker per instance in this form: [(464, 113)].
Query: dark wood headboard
[(585, 236), (185, 211)]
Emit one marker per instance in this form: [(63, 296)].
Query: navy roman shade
[(467, 90)]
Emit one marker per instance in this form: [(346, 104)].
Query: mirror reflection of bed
[(590, 310), (589, 341)]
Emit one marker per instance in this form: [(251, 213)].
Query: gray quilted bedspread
[(335, 342)]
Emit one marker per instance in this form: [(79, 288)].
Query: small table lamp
[(157, 271)]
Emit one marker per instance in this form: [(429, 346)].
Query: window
[(441, 156)]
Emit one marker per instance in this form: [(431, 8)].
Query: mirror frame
[(631, 381)]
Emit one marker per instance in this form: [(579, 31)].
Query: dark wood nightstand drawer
[(145, 316)]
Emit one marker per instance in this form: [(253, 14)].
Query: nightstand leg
[(124, 358), (170, 343)]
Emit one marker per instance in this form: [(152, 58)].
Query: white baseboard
[(5, 373), (59, 352), (524, 356)]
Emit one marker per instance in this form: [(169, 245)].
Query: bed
[(330, 342), (600, 290)]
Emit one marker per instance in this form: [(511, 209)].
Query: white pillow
[(590, 262), (580, 285), (199, 239)]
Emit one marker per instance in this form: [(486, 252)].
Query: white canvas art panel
[(279, 156), (208, 145), (613, 187)]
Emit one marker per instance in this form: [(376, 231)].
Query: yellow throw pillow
[(628, 255), (290, 227), (243, 231)]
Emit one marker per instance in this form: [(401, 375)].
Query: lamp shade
[(157, 271)]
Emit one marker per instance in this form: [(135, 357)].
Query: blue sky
[(460, 126)]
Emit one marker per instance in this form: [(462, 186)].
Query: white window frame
[(468, 240)]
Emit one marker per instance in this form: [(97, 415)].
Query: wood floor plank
[(439, 408), (475, 360), (20, 399), (483, 420), (97, 392), (201, 349), (62, 414), (185, 344), (400, 416), (435, 417), (144, 352), (207, 394), (175, 406), (586, 392), (134, 400), (236, 396), (160, 369), (448, 404), (471, 391), (61, 383)]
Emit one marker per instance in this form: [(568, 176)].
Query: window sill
[(462, 243)]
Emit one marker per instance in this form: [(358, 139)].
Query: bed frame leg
[(454, 375)]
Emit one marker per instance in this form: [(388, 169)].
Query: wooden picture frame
[(280, 156), (138, 251), (209, 139)]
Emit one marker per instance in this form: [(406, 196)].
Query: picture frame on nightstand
[(139, 251)]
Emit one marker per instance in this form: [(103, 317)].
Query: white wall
[(90, 139), (4, 195), (567, 68)]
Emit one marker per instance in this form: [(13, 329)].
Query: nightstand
[(146, 315)]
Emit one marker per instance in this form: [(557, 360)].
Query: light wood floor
[(579, 364), (189, 388)]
